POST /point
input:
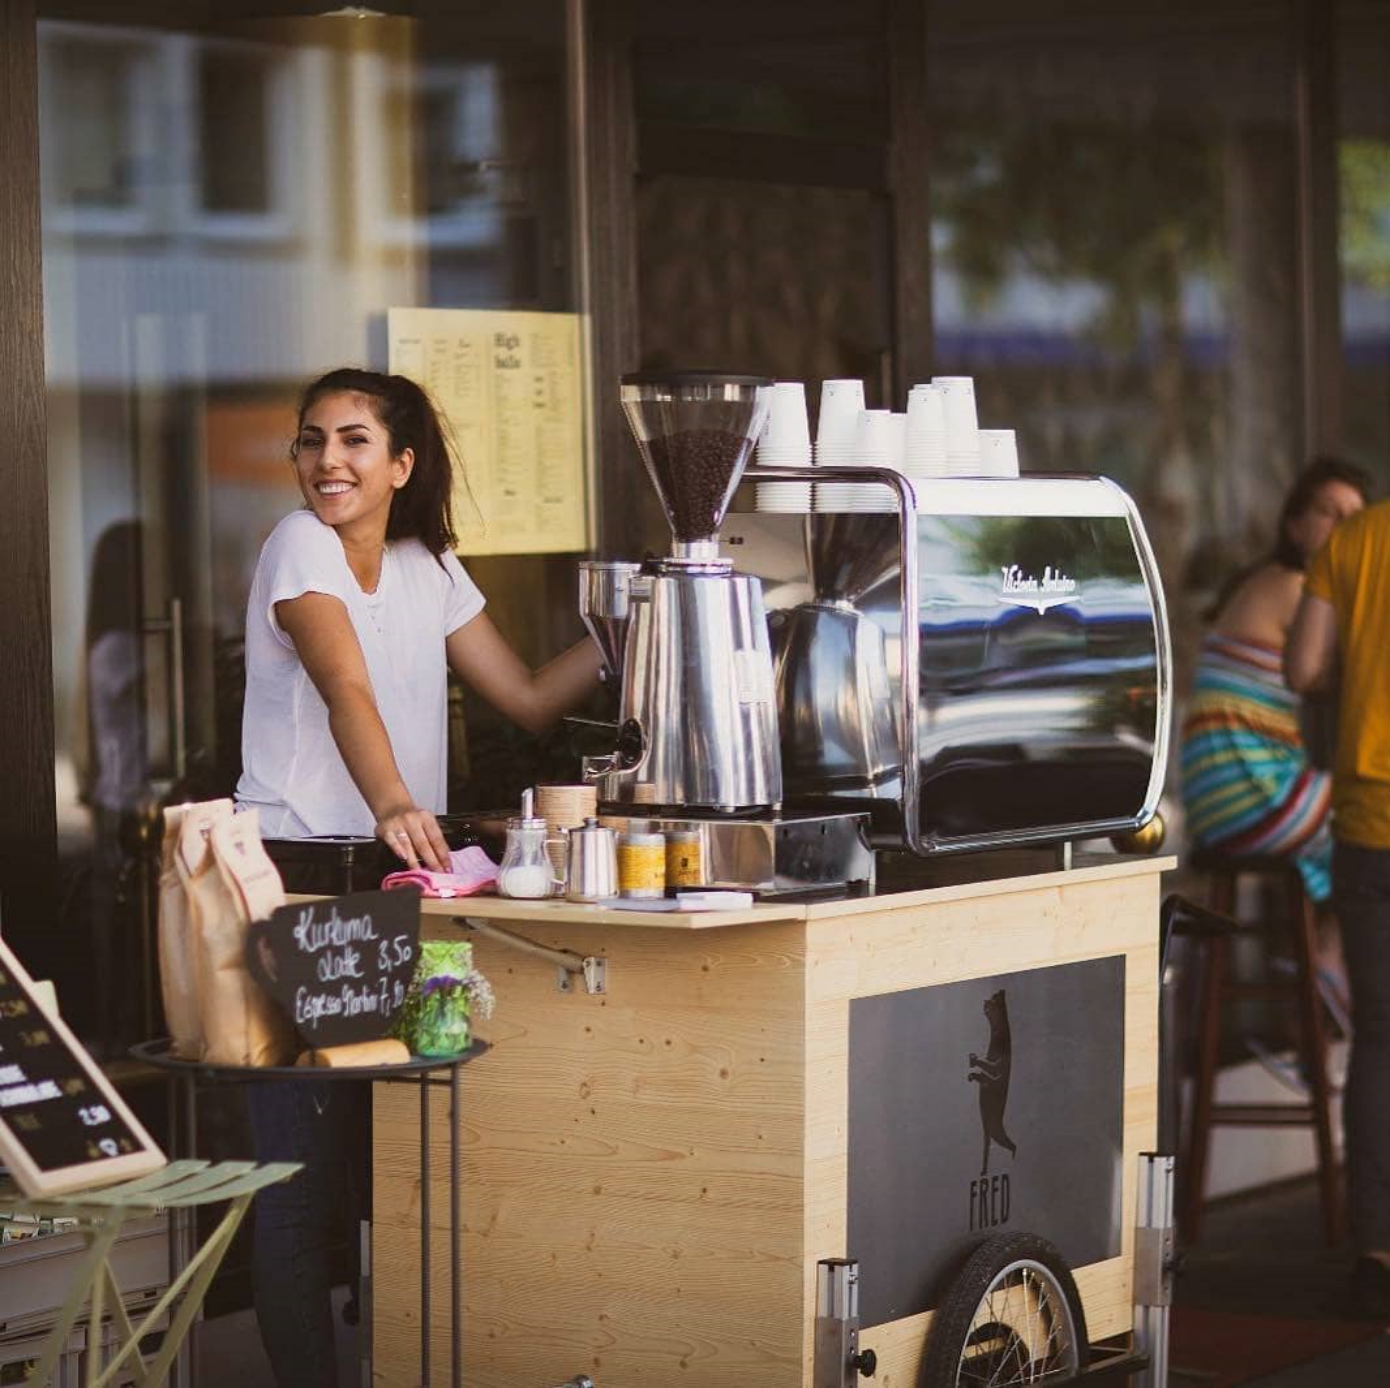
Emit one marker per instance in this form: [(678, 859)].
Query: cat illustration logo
[(991, 1073)]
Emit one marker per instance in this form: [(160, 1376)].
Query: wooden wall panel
[(633, 1170)]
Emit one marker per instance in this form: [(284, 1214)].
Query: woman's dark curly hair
[(1304, 492), (1300, 498), (421, 509)]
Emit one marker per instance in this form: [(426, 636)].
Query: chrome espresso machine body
[(979, 663)]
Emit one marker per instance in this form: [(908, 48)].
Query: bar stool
[(1225, 872)]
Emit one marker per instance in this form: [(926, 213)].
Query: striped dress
[(1247, 786)]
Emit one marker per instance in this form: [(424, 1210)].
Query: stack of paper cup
[(897, 440), (998, 453), (877, 442), (837, 436), (873, 439), (962, 424), (841, 404), (562, 808), (785, 442), (924, 453)]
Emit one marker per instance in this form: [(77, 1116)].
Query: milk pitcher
[(593, 862)]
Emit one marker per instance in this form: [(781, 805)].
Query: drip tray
[(776, 856)]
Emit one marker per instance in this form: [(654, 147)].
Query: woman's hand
[(413, 835)]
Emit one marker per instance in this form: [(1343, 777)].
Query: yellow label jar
[(685, 863), (642, 863)]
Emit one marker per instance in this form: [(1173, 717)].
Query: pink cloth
[(471, 871)]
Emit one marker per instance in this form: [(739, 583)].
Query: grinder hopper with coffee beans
[(697, 739)]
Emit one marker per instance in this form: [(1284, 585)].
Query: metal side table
[(186, 1077)]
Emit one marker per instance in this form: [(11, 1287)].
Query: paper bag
[(230, 881), (176, 927)]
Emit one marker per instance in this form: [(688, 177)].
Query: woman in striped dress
[(1247, 784)]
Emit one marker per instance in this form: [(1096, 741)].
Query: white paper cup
[(998, 453), (962, 423), (854, 497), (925, 447), (786, 437), (897, 441), (873, 445), (786, 498), (841, 403)]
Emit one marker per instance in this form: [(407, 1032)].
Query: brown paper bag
[(176, 927), (230, 882)]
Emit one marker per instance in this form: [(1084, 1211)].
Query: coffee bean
[(693, 469)]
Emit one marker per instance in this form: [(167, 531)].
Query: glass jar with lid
[(527, 871)]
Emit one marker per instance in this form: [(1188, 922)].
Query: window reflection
[(1114, 260), (1364, 234), (229, 208), (100, 157)]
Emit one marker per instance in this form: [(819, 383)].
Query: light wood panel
[(633, 1169), (652, 1175)]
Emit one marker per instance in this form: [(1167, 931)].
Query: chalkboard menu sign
[(340, 967), (62, 1126)]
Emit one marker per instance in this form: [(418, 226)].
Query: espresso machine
[(686, 637)]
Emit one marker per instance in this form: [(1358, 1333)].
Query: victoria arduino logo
[(990, 1195), (1022, 589)]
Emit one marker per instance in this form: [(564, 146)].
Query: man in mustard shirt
[(1341, 638)]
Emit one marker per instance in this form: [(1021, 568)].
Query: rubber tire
[(951, 1324)]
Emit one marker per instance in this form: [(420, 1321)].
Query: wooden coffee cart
[(653, 1170)]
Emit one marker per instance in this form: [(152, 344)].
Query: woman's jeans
[(300, 1223), (1361, 897)]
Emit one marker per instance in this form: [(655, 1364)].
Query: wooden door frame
[(28, 812), (1315, 113)]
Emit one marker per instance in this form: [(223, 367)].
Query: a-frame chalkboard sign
[(63, 1127)]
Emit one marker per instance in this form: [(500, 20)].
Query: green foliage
[(1108, 206), (1364, 196)]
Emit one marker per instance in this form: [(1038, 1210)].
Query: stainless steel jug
[(592, 858)]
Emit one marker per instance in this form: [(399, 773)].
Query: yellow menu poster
[(511, 385)]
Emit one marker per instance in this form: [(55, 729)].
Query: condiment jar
[(526, 870), (642, 862), (593, 862), (685, 859)]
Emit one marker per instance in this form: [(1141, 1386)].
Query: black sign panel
[(977, 1108), (341, 967), (58, 1114)]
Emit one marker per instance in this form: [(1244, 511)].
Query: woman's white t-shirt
[(292, 770)]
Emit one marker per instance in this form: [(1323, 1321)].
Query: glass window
[(231, 207), (237, 115), (1115, 260), (1363, 160)]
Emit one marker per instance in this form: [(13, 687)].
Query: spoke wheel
[(1013, 1316)]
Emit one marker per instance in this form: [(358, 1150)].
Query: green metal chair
[(100, 1215)]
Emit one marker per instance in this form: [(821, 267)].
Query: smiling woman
[(358, 611)]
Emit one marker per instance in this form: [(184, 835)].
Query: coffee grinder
[(688, 635)]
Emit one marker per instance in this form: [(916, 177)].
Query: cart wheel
[(1012, 1316)]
